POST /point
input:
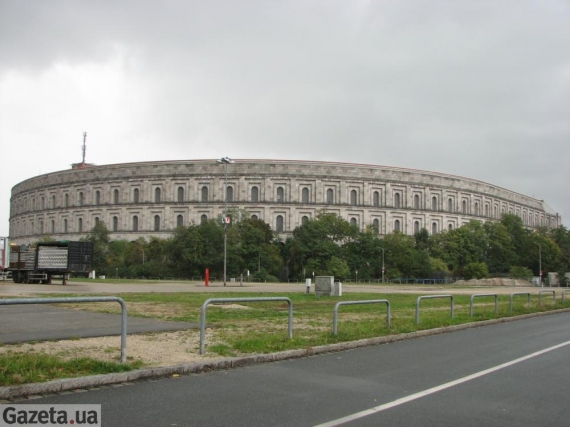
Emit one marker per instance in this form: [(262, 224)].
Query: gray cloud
[(478, 89)]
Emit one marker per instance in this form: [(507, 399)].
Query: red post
[(207, 277)]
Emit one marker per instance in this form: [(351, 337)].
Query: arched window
[(80, 198), (396, 200), (254, 194), (179, 221), (53, 202), (41, 227), (280, 195), (80, 225), (52, 226), (157, 194), (180, 194), (397, 225), (376, 226), (376, 199), (136, 195), (279, 224), (330, 196), (135, 223), (353, 222), (66, 200), (464, 206), (450, 227), (115, 223), (156, 223), (305, 195), (305, 219), (65, 228), (353, 197), (254, 217), (116, 196), (204, 193), (434, 203), (496, 212), (43, 204), (434, 228), (476, 208), (416, 227), (97, 197), (416, 201), (96, 220), (203, 219), (230, 194), (450, 205)]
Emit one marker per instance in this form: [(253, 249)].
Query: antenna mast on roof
[(84, 148)]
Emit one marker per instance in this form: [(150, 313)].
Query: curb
[(57, 386)]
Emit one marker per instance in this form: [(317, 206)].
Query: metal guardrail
[(338, 304), (546, 291), (81, 299), (431, 297), (519, 293), (484, 295), (259, 299), (563, 292)]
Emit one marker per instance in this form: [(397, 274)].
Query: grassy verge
[(35, 368), (261, 327)]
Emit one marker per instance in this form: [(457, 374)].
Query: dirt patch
[(156, 349)]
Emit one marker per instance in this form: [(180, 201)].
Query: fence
[(81, 299), (431, 297), (483, 295), (519, 293), (338, 304), (546, 291), (259, 299)]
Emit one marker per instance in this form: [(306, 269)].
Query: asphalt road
[(421, 382), (21, 323)]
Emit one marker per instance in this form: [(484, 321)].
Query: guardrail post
[(431, 297), (484, 295), (16, 301), (546, 291), (338, 304), (260, 299), (519, 293)]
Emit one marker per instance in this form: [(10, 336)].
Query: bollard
[(307, 286)]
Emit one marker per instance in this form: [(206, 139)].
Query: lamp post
[(539, 263), (383, 268), (225, 161)]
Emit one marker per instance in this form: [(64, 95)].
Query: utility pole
[(225, 161)]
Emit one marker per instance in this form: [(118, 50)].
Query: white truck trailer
[(47, 260)]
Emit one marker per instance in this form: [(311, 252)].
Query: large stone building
[(153, 198)]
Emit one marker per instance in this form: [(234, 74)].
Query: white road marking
[(436, 389)]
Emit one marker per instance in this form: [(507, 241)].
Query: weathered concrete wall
[(66, 204)]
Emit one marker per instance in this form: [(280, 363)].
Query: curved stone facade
[(153, 198)]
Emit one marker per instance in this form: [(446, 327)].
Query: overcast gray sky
[(468, 87)]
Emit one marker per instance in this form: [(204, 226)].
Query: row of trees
[(329, 245)]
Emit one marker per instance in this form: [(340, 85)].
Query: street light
[(225, 161), (539, 263), (382, 249)]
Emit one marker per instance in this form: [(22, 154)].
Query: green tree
[(517, 272), (475, 270), (461, 246), (315, 242), (100, 237), (501, 254)]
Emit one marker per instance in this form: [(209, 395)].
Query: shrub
[(476, 270)]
